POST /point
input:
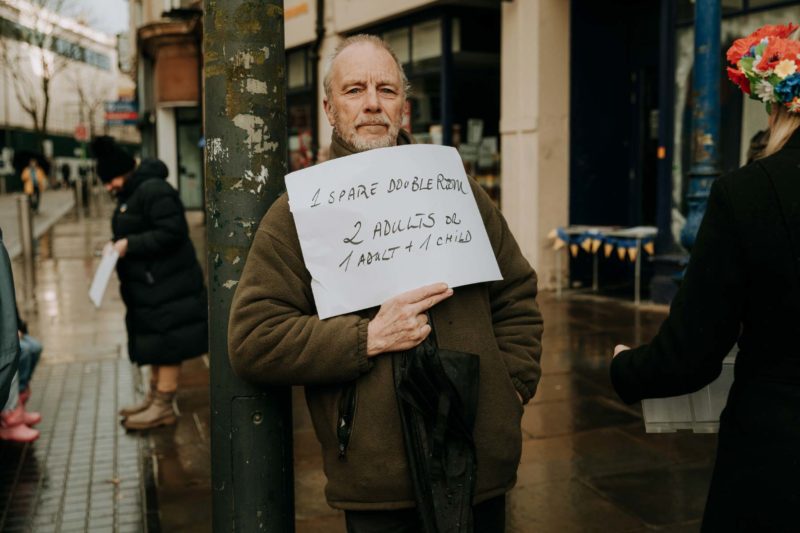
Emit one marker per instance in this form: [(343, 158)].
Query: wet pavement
[(587, 464), (84, 473)]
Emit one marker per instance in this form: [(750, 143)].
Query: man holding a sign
[(386, 279)]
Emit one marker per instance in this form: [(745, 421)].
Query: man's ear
[(328, 111)]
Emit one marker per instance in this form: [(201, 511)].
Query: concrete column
[(534, 126), (167, 142)]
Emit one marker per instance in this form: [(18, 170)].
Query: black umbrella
[(437, 395)]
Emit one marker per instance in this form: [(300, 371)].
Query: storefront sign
[(295, 11), (382, 222), (121, 113)]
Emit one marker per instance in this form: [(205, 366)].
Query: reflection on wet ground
[(587, 464)]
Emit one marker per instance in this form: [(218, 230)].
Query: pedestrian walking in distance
[(743, 282), (34, 181), (416, 403), (160, 279)]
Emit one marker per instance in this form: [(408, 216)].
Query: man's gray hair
[(363, 38)]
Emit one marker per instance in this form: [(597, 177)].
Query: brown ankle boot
[(159, 413), (129, 410)]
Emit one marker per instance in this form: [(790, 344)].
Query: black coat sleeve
[(166, 222), (703, 322)]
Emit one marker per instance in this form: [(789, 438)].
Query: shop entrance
[(613, 122)]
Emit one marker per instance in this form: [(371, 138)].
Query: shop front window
[(190, 157), (299, 99), (474, 79)]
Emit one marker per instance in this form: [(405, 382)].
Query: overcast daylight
[(413, 266)]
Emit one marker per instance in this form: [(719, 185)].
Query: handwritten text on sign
[(382, 222)]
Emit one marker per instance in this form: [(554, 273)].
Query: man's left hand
[(121, 247)]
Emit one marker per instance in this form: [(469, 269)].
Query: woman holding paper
[(743, 282), (160, 279)]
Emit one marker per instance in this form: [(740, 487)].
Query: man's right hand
[(401, 322)]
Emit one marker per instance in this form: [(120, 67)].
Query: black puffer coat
[(160, 279)]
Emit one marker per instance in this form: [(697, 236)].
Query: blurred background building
[(567, 112), (57, 75)]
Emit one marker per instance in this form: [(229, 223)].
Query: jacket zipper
[(344, 423)]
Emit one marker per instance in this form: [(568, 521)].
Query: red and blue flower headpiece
[(767, 66)]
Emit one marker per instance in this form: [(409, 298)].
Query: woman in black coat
[(160, 279), (742, 283)]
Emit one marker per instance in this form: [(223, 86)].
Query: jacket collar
[(341, 148)]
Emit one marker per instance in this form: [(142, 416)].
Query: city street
[(587, 464)]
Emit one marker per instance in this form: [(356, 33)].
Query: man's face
[(365, 106)]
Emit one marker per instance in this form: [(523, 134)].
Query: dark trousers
[(488, 517)]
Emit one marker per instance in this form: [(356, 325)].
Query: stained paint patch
[(217, 151), (256, 132), (258, 180), (231, 283), (255, 86)]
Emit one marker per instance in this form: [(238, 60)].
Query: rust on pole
[(246, 159)]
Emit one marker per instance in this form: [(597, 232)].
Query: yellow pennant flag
[(596, 245), (633, 252), (621, 253), (607, 249), (553, 234), (587, 245), (559, 244), (650, 248), (573, 249)]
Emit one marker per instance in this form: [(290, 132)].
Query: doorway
[(190, 157)]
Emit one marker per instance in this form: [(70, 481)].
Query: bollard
[(78, 191), (26, 239), (89, 197)]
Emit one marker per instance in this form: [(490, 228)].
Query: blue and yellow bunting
[(592, 243)]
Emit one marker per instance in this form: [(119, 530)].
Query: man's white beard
[(350, 135)]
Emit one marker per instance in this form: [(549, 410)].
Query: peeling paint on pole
[(246, 160)]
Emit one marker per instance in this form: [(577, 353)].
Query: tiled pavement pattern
[(84, 473)]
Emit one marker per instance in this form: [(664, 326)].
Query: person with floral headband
[(743, 284)]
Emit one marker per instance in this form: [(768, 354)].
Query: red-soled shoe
[(18, 433)]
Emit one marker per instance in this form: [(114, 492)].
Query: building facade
[(44, 55), (567, 112), (167, 37), (490, 78)]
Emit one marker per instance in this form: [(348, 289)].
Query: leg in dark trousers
[(488, 517)]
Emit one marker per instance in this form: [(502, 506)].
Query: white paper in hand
[(382, 222), (103, 275)]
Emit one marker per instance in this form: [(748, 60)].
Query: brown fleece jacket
[(275, 337)]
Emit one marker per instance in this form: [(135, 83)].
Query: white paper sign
[(103, 275), (378, 223)]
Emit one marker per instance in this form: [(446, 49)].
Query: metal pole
[(78, 191), (558, 273), (638, 273), (26, 239), (705, 120), (246, 160)]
